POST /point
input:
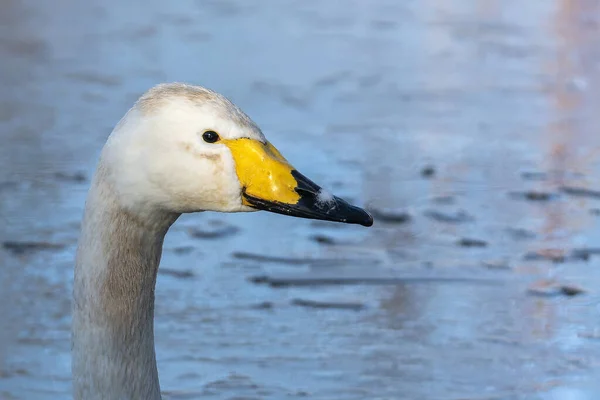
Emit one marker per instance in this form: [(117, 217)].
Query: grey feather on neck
[(113, 312)]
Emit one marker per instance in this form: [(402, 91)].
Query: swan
[(179, 149)]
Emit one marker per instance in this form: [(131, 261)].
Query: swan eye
[(210, 136)]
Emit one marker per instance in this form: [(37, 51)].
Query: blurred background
[(469, 128)]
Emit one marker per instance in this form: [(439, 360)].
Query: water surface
[(499, 97)]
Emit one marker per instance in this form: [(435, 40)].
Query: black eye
[(210, 136)]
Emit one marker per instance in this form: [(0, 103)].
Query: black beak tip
[(368, 220), (338, 210), (356, 215)]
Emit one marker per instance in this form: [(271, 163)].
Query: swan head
[(184, 148)]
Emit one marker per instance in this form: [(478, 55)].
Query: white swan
[(179, 149)]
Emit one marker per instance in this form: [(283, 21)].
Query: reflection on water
[(361, 96)]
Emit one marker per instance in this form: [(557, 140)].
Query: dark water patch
[(175, 273), (369, 81), (534, 175), (553, 255), (551, 288), (533, 195), (177, 20), (332, 80), (308, 261), (94, 78), (323, 239), (496, 264), (584, 254), (182, 395), (29, 48), (265, 305), (580, 192), (470, 242), (94, 98), (350, 163), (337, 185), (443, 200), (181, 249), (389, 215), (383, 24), (561, 255), (457, 217), (9, 373), (277, 281), (593, 335), (270, 259), (428, 171), (138, 33), (554, 175), (521, 233), (20, 248), (8, 185), (215, 230), (37, 341), (324, 304), (76, 177), (232, 382)]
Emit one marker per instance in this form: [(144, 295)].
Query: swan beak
[(270, 183)]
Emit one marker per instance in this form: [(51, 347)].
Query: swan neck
[(113, 311)]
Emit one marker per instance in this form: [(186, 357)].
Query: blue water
[(359, 96)]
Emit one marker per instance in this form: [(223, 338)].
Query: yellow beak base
[(270, 183)]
